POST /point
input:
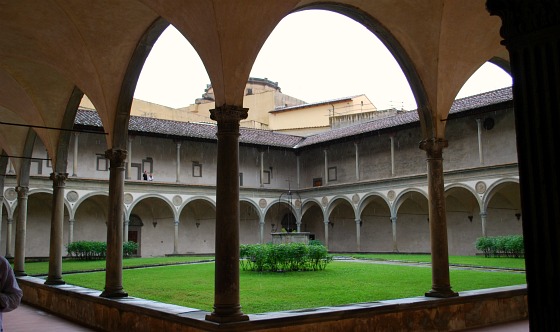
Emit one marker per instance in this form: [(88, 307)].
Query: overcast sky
[(313, 55)]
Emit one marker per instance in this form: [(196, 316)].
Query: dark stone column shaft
[(531, 32), (21, 228), (226, 293), (113, 275), (57, 222), (438, 222)]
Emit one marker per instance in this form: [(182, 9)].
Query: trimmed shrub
[(501, 246), (283, 257), (95, 250)]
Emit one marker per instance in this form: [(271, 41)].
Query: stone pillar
[(438, 224), (71, 230), (129, 159), (176, 237), (326, 167), (531, 33), (394, 230), (125, 230), (297, 171), (9, 226), (262, 168), (392, 138), (178, 162), (75, 156), (479, 131), (261, 231), (357, 162), (326, 224), (21, 227), (113, 275), (483, 222), (226, 283), (358, 226), (57, 222)]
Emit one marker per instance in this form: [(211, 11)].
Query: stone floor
[(30, 319)]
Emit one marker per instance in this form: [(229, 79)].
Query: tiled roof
[(270, 138), (290, 108)]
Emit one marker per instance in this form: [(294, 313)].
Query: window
[(317, 182), (37, 164), (196, 169), (266, 177), (148, 165), (102, 163), (332, 173)]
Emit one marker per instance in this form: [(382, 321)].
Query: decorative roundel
[(297, 203), (262, 203), (128, 198), (391, 195), (355, 199), (480, 187), (177, 200), (325, 201), (10, 194), (72, 196)]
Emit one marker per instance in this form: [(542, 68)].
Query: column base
[(441, 293), (54, 281), (227, 314), (114, 293), (20, 274)]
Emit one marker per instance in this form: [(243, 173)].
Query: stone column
[(392, 138), (357, 162), (438, 224), (176, 237), (113, 275), (21, 227), (358, 226), (326, 167), (262, 168), (261, 231), (125, 230), (483, 222), (326, 224), (75, 156), (297, 171), (9, 226), (71, 230), (129, 159), (57, 222), (531, 33), (226, 283), (178, 162), (394, 230), (479, 131)]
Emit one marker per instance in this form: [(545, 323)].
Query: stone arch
[(502, 204), (279, 216), (38, 228), (342, 224), (90, 217), (249, 222), (413, 230), (197, 226), (128, 212), (375, 223), (313, 219), (464, 222)]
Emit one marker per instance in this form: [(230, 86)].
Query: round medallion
[(355, 199), (72, 196), (325, 201), (128, 198), (391, 195), (262, 203), (10, 194), (177, 200), (297, 203), (480, 187)]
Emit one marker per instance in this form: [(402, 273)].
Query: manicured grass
[(70, 265), (340, 283), (503, 262)]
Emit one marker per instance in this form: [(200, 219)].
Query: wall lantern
[(470, 217), (197, 224), (518, 216), (155, 224)]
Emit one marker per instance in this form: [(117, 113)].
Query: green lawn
[(340, 283)]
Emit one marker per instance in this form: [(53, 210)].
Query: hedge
[(501, 246), (283, 257), (94, 250)]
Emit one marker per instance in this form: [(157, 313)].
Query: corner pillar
[(57, 223), (115, 217), (226, 283), (438, 223)]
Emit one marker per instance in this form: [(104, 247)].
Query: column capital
[(393, 219), (520, 18), (228, 113), (116, 156), (22, 191), (433, 147), (59, 179)]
